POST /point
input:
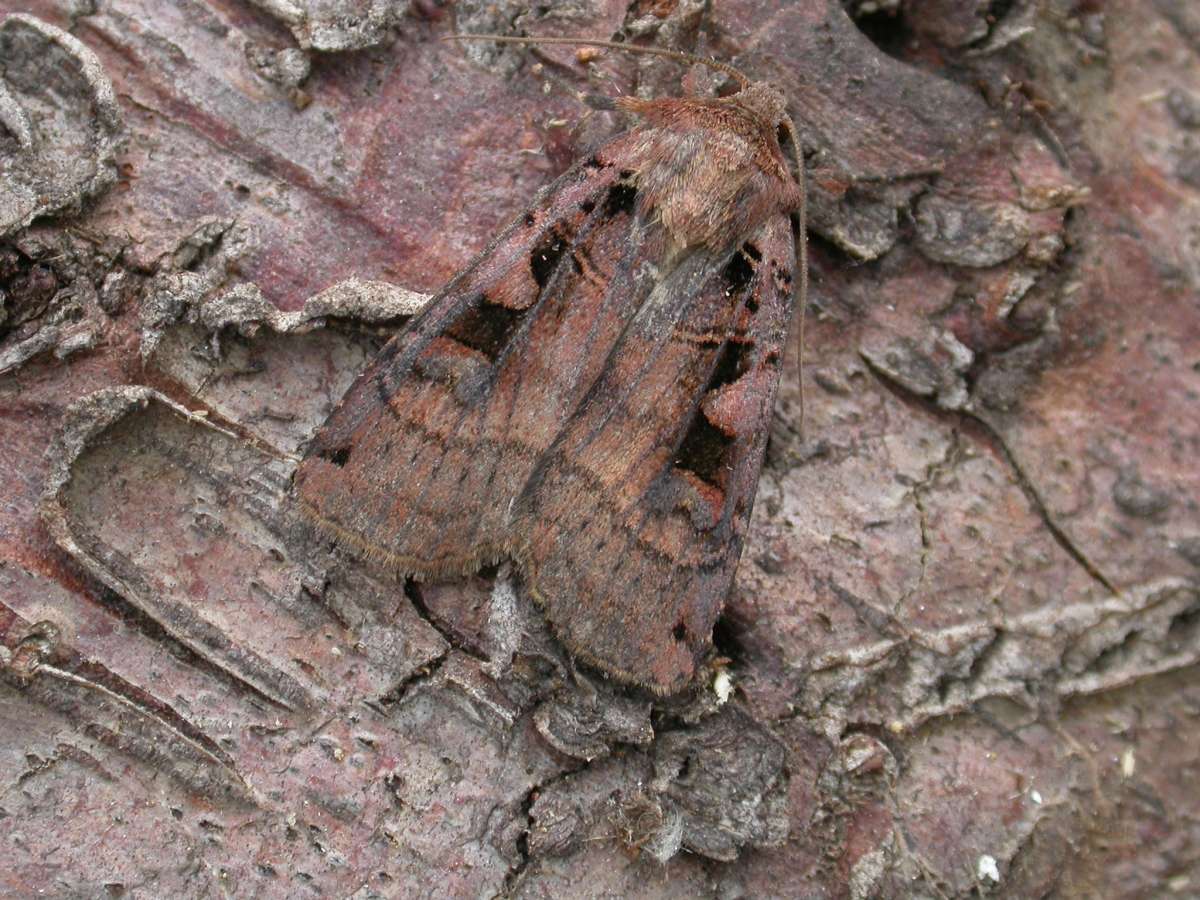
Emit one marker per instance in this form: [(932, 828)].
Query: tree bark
[(965, 630)]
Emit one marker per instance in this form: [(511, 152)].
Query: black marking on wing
[(703, 450), (545, 256), (339, 456), (486, 327), (622, 198)]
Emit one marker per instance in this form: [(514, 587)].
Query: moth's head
[(765, 101), (767, 104), (761, 101)]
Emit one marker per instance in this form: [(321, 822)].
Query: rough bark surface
[(964, 635)]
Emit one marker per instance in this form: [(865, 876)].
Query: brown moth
[(591, 396)]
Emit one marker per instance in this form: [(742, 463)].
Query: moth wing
[(420, 465), (638, 513)]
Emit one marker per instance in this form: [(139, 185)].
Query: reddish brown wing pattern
[(591, 396), (422, 461), (639, 511)]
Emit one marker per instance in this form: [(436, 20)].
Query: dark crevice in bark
[(1034, 496), (978, 426)]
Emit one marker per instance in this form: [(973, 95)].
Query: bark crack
[(1028, 488), (1034, 496), (919, 492)]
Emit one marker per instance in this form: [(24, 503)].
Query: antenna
[(801, 260)]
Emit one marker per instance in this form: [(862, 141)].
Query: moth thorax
[(705, 187), (764, 101)]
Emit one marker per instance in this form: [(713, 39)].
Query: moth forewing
[(591, 396)]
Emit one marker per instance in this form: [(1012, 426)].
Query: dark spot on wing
[(587, 205), (486, 327), (545, 256), (703, 450), (782, 276), (738, 272), (705, 447), (338, 456), (729, 367), (621, 199)]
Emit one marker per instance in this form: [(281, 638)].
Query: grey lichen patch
[(189, 298), (714, 789), (864, 220), (335, 25), (288, 67), (65, 331), (481, 17), (1139, 498), (60, 125), (727, 777), (586, 724), (933, 367), (49, 299), (970, 234), (195, 269), (1083, 648), (228, 348)]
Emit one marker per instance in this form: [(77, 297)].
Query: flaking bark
[(964, 634)]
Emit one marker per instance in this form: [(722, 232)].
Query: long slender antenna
[(801, 258), (742, 80)]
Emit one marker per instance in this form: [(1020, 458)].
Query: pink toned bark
[(964, 632)]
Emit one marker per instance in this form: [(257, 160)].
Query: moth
[(591, 396)]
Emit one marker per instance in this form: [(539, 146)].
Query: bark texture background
[(964, 635)]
